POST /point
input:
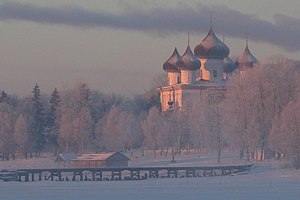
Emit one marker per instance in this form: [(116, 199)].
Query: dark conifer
[(3, 97), (53, 120), (37, 125)]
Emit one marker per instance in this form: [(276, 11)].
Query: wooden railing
[(126, 173)]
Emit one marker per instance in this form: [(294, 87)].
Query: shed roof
[(98, 156), (65, 156)]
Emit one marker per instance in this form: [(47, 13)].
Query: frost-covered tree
[(100, 103), (215, 127), (76, 122), (151, 127), (197, 121), (83, 129), (131, 133), (112, 138), (254, 102), (285, 137), (65, 131), (167, 136), (21, 134), (6, 130), (241, 111)]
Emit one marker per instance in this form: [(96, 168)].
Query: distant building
[(202, 73), (95, 160), (65, 158)]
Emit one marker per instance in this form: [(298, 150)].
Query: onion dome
[(171, 64), (246, 59), (211, 47), (188, 61), (228, 65)]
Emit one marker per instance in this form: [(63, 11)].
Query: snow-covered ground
[(191, 159), (267, 180)]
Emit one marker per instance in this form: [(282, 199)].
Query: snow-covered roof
[(65, 156), (97, 156)]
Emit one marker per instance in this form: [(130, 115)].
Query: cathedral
[(198, 73)]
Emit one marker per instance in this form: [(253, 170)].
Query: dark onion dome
[(246, 59), (228, 65), (170, 64), (211, 47), (188, 61)]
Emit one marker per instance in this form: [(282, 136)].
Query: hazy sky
[(118, 46)]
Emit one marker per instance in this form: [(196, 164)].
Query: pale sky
[(118, 46)]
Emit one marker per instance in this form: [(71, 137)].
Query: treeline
[(259, 112), (258, 116), (71, 120)]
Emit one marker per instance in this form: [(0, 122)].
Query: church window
[(215, 74)]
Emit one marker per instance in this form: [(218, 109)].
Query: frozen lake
[(261, 183), (251, 186), (266, 180)]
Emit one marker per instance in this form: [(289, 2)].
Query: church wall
[(206, 95), (213, 67), (204, 74), (178, 98), (170, 95), (181, 96), (194, 95), (165, 96)]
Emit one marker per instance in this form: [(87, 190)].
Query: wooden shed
[(65, 158), (95, 160)]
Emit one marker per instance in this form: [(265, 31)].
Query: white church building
[(200, 72)]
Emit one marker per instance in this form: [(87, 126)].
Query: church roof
[(171, 64), (188, 61), (246, 59), (211, 47)]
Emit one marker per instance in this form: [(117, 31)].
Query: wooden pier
[(126, 173)]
